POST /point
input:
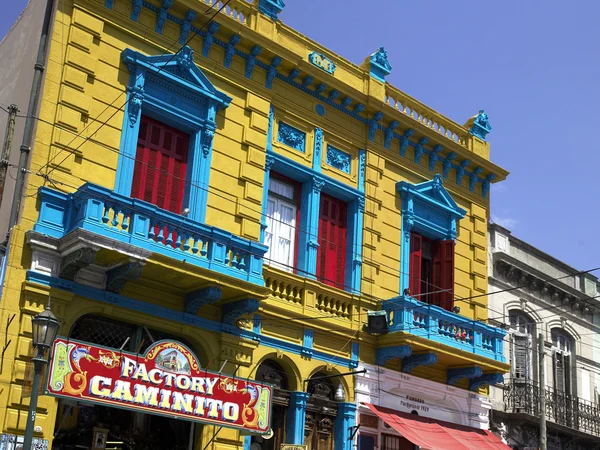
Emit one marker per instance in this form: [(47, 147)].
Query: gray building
[(538, 294)]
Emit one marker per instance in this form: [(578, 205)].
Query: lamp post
[(44, 328)]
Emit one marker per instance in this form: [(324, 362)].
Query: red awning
[(430, 434)]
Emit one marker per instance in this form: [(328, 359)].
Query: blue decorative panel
[(320, 109), (322, 62), (292, 137), (338, 159)]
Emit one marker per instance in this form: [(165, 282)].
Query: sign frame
[(115, 359)]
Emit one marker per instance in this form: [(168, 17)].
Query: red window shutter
[(446, 251), (331, 254), (414, 271), (160, 166), (437, 282)]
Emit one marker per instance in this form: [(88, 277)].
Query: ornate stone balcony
[(108, 225), (420, 319)]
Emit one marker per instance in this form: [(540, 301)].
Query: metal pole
[(542, 391), (34, 97), (8, 136), (38, 366)]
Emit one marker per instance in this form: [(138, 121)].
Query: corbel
[(294, 73), (320, 88), (136, 9), (334, 94), (162, 15), (374, 124), (230, 49), (251, 60), (386, 354), (460, 171), (308, 80), (213, 27), (389, 133), (453, 376), (358, 108), (186, 26), (404, 140), (118, 276), (197, 299), (474, 178), (448, 163), (75, 261), (486, 379), (485, 188), (422, 359), (272, 71), (433, 157), (234, 310), (419, 149)]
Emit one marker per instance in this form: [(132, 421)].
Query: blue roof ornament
[(380, 66), (271, 8), (479, 125)]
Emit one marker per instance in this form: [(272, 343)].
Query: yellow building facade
[(207, 174)]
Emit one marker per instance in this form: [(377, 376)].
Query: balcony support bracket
[(455, 375), (488, 378), (233, 311), (118, 276), (396, 352), (421, 359), (197, 299), (75, 261)]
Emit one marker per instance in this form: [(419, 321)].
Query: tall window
[(562, 350), (331, 254), (521, 342), (280, 235), (160, 165), (431, 277)]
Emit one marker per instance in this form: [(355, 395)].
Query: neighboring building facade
[(253, 196), (545, 296)]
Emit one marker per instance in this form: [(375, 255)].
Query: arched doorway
[(321, 412), (81, 425), (273, 373)]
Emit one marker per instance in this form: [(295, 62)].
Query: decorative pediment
[(429, 208), (179, 70)]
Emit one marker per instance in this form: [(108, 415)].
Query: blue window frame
[(172, 90)]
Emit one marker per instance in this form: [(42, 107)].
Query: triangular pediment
[(432, 192), (179, 69)]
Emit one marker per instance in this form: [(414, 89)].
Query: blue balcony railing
[(435, 323), (142, 224)]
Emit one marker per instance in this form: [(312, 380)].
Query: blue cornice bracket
[(272, 71), (213, 27), (347, 101), (320, 88), (479, 125), (379, 65), (485, 187), (389, 133), (108, 4), (386, 354), (117, 277), (134, 105), (374, 124), (230, 49), (423, 359), (448, 163), (419, 149), (358, 108), (474, 177), (197, 299), (162, 15), (294, 73), (308, 80), (234, 310), (334, 94), (186, 26), (486, 379), (251, 60), (405, 140), (460, 171), (453, 376), (271, 8), (136, 9), (434, 156)]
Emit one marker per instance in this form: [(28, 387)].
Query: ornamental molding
[(197, 299), (291, 136), (338, 159), (386, 354)]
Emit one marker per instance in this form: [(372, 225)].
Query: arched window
[(562, 346), (271, 372), (522, 332)]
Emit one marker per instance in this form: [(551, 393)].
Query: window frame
[(529, 334), (192, 107), (570, 378)]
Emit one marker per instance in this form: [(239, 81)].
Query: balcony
[(436, 324), (115, 226), (523, 397)]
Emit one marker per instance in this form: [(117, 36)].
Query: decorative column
[(131, 130), (294, 433), (309, 241), (345, 419)]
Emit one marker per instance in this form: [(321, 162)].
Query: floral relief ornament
[(207, 139), (134, 105)]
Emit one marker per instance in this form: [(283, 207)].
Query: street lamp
[(44, 328)]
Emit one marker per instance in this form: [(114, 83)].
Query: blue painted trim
[(355, 354), (345, 420), (272, 71), (307, 343), (136, 9), (108, 4), (3, 266), (162, 15), (197, 299), (269, 160), (247, 442), (385, 354), (389, 133), (320, 110), (176, 316), (294, 430), (290, 79), (433, 156), (271, 8), (438, 325), (322, 62), (186, 26), (230, 50), (338, 159), (213, 27), (374, 125), (320, 88), (485, 379), (257, 325)]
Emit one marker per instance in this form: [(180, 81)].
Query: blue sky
[(532, 65)]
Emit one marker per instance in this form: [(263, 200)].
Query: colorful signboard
[(167, 380)]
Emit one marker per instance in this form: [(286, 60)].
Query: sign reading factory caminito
[(167, 380)]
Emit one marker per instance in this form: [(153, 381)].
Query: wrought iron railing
[(523, 396)]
